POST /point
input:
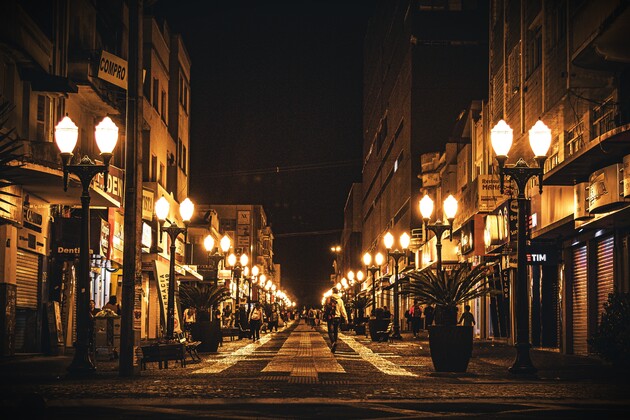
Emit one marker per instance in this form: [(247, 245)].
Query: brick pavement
[(560, 378)]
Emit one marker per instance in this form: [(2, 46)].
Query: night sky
[(277, 118)]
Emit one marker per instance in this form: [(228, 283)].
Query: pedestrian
[(112, 305), (428, 316), (386, 313), (467, 319), (416, 317), (190, 317), (311, 318), (255, 321), (334, 314), (273, 320)]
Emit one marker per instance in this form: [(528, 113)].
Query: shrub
[(612, 340)]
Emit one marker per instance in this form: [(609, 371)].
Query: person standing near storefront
[(256, 317)]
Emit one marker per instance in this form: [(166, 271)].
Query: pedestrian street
[(303, 356)]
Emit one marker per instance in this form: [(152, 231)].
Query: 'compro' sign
[(113, 69)]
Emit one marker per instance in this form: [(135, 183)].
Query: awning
[(45, 82), (187, 274), (47, 184)]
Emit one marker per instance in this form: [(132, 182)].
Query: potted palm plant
[(203, 297), (450, 344)]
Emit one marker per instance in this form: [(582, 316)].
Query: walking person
[(273, 320), (416, 318), (467, 319), (334, 314), (255, 321), (428, 316)]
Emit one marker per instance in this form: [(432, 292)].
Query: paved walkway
[(304, 355)]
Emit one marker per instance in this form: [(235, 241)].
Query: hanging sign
[(113, 69)]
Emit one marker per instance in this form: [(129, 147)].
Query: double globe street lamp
[(439, 227), (373, 269), (66, 136), (396, 255), (186, 210), (539, 139), (213, 256), (237, 266)]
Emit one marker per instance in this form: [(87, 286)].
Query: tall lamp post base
[(523, 364), (82, 363)]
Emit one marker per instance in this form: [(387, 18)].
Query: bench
[(244, 332), (386, 334), (230, 332), (191, 347), (162, 353)]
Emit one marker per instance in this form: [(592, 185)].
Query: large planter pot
[(451, 347), (377, 325), (359, 329), (209, 333)]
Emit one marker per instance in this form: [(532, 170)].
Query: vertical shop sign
[(162, 275)]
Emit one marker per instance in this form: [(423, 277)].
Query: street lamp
[(439, 227), (373, 269), (237, 268), (66, 136), (253, 280), (396, 255), (186, 210), (520, 173), (214, 257)]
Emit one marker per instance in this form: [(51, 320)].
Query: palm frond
[(450, 288), (202, 296)]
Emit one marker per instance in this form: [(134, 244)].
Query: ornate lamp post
[(186, 210), (396, 255), (213, 256), (237, 268), (66, 135), (253, 280), (439, 227), (520, 173), (373, 269)]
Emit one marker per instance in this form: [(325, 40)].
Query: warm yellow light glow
[(540, 139), (263, 279), (162, 207), (106, 134), (186, 209), (255, 270), (208, 243), (225, 243), (426, 207), (367, 259), (231, 260), (246, 271), (388, 240), (338, 286), (66, 135), (360, 276), (344, 283), (405, 240), (450, 207), (379, 258), (350, 275), (501, 138), (244, 260)]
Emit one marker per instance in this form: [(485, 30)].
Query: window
[(534, 49), (161, 174), (156, 90), (381, 135), (184, 159), (183, 92), (163, 106), (398, 161), (43, 118), (558, 23), (153, 168)]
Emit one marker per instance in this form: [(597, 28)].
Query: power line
[(285, 169), (311, 233)]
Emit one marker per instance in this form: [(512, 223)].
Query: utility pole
[(132, 264)]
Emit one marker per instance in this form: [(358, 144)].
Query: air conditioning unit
[(580, 201), (606, 189)]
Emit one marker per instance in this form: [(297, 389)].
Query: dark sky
[(277, 118)]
